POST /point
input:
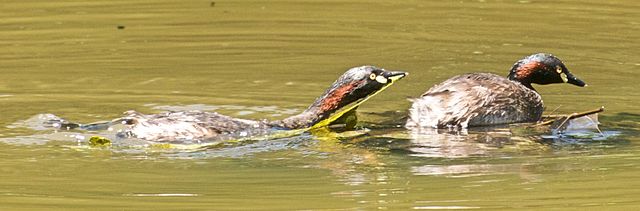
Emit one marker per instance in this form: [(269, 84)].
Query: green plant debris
[(162, 146), (98, 141)]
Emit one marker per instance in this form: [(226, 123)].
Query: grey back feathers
[(475, 99)]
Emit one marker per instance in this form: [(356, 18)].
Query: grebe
[(341, 99), (484, 99)]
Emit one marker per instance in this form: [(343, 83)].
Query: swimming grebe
[(483, 99), (343, 97)]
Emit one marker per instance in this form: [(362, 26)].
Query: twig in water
[(570, 117)]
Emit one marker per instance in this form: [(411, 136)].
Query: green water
[(92, 60)]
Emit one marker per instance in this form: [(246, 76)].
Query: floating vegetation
[(98, 141)]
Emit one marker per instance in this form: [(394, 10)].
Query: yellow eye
[(558, 69), (372, 76)]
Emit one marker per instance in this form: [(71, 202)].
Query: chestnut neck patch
[(527, 70), (333, 99)]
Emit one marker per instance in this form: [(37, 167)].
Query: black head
[(356, 84), (542, 68)]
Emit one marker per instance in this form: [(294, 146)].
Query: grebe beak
[(574, 80), (394, 75)]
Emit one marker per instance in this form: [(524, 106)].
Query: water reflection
[(454, 144), (353, 165), (365, 156), (462, 170), (459, 153), (513, 149)]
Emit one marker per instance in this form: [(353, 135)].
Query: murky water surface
[(92, 60)]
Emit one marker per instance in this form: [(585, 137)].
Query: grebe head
[(357, 84), (344, 96), (542, 68)]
